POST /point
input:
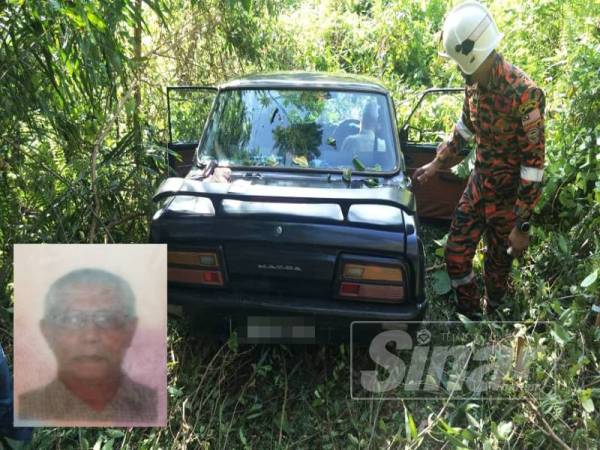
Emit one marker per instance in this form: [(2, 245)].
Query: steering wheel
[(345, 129)]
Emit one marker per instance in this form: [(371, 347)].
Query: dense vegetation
[(82, 133)]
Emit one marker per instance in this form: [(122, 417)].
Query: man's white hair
[(97, 279)]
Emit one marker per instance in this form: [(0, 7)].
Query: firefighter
[(503, 112)]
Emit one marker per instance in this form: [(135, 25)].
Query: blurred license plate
[(279, 330)]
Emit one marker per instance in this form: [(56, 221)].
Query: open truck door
[(433, 116), (188, 108)]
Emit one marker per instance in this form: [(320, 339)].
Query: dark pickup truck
[(294, 207)]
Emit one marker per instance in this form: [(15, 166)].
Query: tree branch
[(546, 426)]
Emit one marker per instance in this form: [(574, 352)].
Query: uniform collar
[(497, 73)]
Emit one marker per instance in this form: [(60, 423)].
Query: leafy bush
[(82, 134)]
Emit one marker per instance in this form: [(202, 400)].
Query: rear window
[(300, 129)]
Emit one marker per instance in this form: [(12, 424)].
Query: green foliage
[(189, 111), (74, 97), (441, 282), (299, 139)]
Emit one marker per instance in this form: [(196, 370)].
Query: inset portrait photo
[(90, 328)]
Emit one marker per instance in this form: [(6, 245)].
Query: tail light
[(373, 273), (372, 282), (195, 268)]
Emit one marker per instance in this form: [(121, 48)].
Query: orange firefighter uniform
[(506, 120)]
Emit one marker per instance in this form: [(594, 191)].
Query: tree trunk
[(137, 50)]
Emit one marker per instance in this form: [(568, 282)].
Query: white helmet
[(470, 35)]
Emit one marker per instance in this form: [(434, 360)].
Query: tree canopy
[(83, 135)]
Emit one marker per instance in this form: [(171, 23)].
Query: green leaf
[(447, 429), (504, 430), (450, 434), (467, 435), (74, 16), (242, 437), (233, 342), (174, 392), (372, 182), (409, 424), (300, 161), (441, 282), (473, 421), (590, 279), (347, 175), (358, 165), (115, 433), (586, 400), (441, 242), (96, 21), (562, 244), (560, 335), (588, 405), (468, 323)]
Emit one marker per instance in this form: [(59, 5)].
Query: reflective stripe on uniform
[(466, 134), (531, 174), (456, 282)]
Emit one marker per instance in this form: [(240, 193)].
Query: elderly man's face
[(90, 334)]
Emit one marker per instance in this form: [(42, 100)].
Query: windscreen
[(300, 129)]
